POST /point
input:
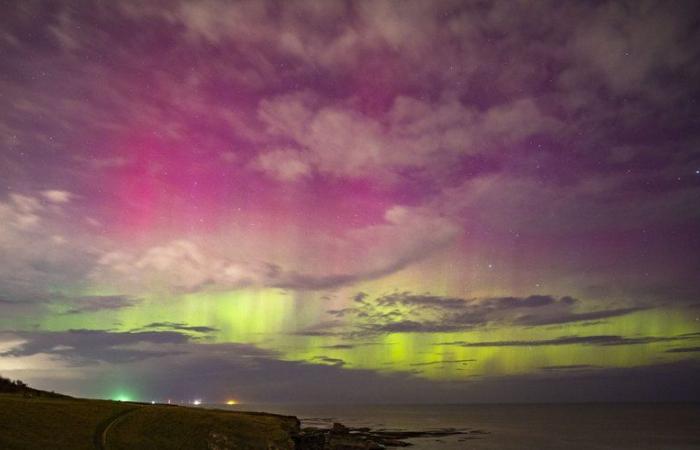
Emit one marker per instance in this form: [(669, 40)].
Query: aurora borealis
[(351, 201)]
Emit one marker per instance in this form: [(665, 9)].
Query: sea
[(590, 426)]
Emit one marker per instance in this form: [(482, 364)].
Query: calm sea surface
[(571, 426)]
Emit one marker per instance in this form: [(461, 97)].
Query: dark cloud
[(215, 375), (410, 326), (324, 328), (570, 367), (36, 302), (178, 326), (577, 317), (92, 346), (354, 345), (427, 301), (340, 346), (360, 297), (684, 350), (603, 340), (319, 333), (189, 369), (406, 312), (328, 360), (445, 361), (696, 334)]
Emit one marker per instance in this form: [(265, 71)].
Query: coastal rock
[(394, 443), (340, 437), (339, 428), (310, 439)]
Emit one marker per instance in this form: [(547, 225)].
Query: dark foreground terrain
[(66, 423), (32, 419)]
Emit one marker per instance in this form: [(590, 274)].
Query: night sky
[(339, 201)]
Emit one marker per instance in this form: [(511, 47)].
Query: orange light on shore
[(231, 402)]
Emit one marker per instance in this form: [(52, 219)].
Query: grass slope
[(67, 423), (41, 423), (190, 428)]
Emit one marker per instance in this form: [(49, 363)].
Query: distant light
[(197, 402), (122, 398), (231, 402), (153, 402)]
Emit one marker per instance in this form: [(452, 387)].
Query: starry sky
[(351, 201)]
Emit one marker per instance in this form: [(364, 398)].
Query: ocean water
[(553, 426)]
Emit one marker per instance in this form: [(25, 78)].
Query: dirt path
[(99, 439)]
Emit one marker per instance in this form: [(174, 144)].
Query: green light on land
[(122, 398)]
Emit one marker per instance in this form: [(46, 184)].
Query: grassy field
[(64, 423)]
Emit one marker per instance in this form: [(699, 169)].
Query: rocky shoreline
[(340, 437)]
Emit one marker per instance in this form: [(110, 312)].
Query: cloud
[(100, 303), (445, 42), (421, 300), (480, 129), (684, 350), (178, 326), (179, 265), (340, 346), (410, 326), (407, 235), (445, 361), (437, 85), (602, 340), (56, 196), (45, 250), (601, 202), (285, 165), (613, 40), (12, 309), (338, 140), (219, 371), (81, 347), (406, 312), (577, 317), (284, 33), (332, 361), (570, 367), (18, 213)]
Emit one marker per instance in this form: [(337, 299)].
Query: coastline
[(39, 421), (50, 421), (340, 437)]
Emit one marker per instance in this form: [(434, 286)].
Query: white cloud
[(180, 265), (44, 253), (20, 212), (283, 164), (56, 196), (408, 235), (338, 140)]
